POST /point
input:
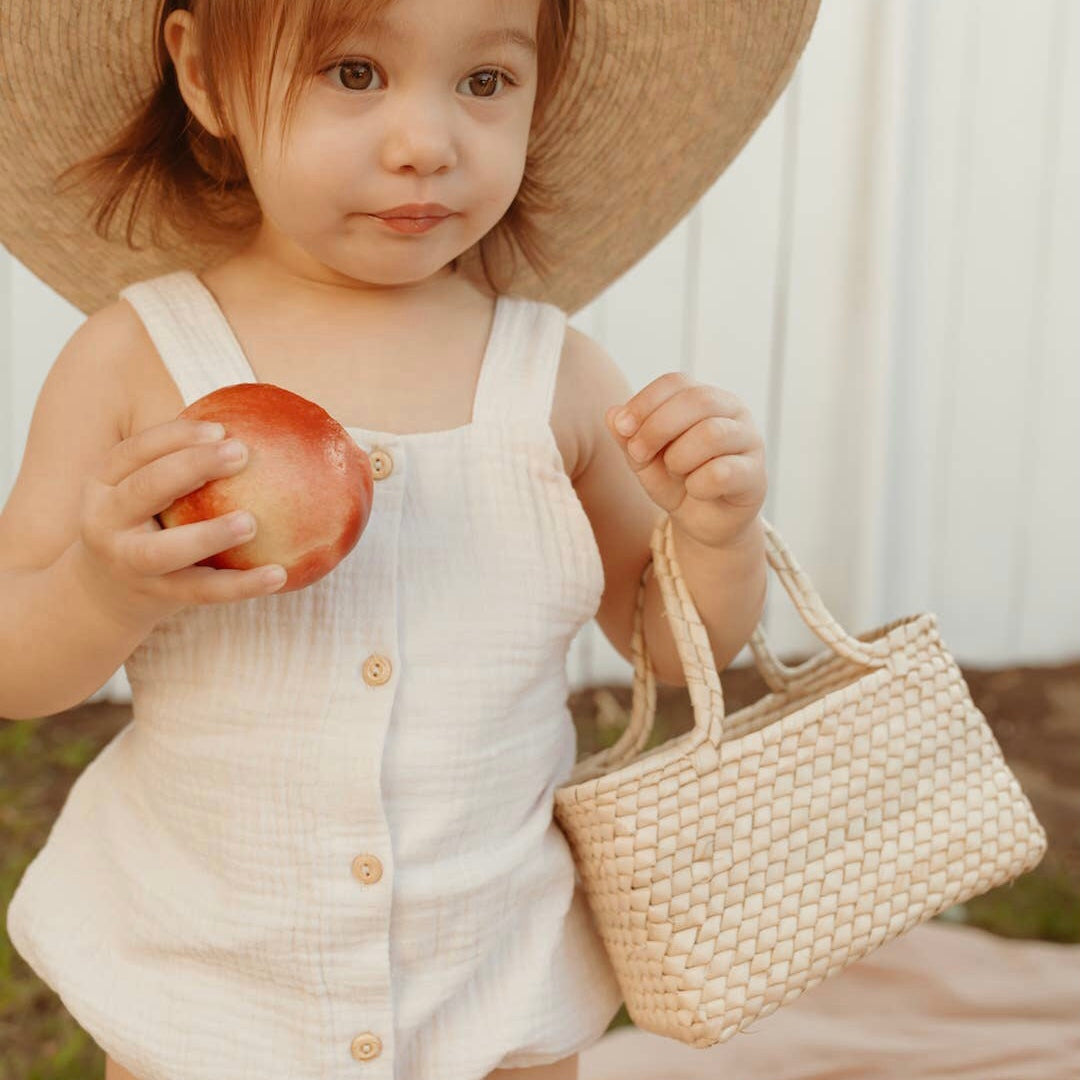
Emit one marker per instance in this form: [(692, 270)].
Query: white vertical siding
[(888, 277)]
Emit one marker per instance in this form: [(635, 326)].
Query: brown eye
[(487, 81), (355, 74)]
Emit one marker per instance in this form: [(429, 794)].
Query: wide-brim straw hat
[(657, 98)]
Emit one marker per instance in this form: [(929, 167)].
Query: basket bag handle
[(695, 652)]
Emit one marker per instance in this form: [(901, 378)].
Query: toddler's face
[(413, 113)]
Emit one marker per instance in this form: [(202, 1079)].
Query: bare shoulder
[(622, 516), (94, 368), (116, 338), (589, 380), (149, 394), (587, 377), (81, 412)]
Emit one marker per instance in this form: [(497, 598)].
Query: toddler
[(324, 845)]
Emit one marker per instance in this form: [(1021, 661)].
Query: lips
[(410, 225), (416, 210)]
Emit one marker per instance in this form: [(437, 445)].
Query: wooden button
[(366, 1046), (367, 868), (376, 669), (382, 464)]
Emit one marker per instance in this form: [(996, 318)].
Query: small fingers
[(733, 477), (157, 485), (668, 421), (160, 551), (710, 437), (648, 399), (154, 442), (209, 585)]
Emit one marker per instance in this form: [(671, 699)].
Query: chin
[(396, 273)]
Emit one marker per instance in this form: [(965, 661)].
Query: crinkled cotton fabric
[(323, 848)]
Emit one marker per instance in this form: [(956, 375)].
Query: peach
[(307, 482)]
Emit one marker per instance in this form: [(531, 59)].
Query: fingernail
[(274, 575), (242, 523), (637, 449), (210, 432), (625, 422)]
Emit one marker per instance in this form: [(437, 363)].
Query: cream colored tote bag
[(743, 862)]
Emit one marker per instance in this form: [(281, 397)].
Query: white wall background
[(884, 277)]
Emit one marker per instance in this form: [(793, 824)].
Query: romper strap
[(517, 380), (187, 326)]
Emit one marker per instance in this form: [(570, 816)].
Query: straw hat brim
[(657, 99)]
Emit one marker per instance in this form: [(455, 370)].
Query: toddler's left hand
[(702, 459)]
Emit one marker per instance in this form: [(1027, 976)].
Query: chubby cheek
[(495, 177), (307, 198)]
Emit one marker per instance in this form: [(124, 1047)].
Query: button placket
[(367, 868), (376, 670)]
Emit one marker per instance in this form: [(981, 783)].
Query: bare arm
[(85, 569), (58, 640)]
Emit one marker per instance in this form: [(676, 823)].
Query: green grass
[(39, 1039), (1042, 905)]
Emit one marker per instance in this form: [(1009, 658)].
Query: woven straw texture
[(742, 863)]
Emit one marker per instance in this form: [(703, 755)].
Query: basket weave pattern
[(740, 864)]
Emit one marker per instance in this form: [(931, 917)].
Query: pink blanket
[(942, 1001)]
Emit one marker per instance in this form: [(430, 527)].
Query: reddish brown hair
[(180, 175)]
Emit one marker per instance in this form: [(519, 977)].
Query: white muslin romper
[(323, 848)]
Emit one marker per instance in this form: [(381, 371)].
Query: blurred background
[(889, 277)]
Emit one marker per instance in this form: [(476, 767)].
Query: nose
[(419, 134)]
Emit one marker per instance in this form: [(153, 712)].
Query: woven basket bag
[(745, 861)]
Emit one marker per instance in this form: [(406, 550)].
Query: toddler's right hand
[(139, 570)]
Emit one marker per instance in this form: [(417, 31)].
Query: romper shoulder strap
[(517, 381), (187, 326)]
